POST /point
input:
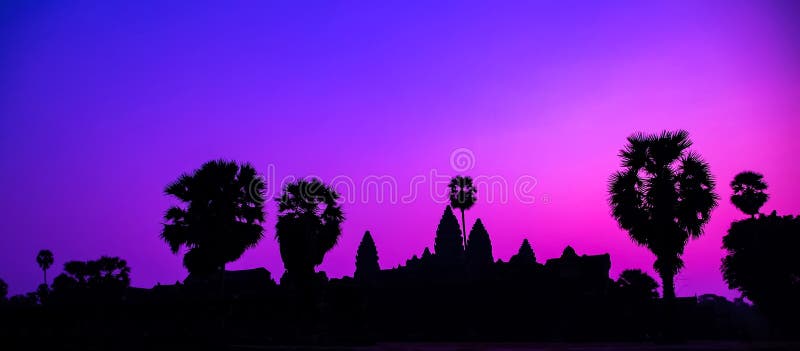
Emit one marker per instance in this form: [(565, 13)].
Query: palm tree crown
[(663, 196), (748, 192), (309, 225), (462, 197), (44, 259), (221, 217)]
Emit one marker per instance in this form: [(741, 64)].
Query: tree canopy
[(748, 192), (220, 218), (309, 225), (761, 263)]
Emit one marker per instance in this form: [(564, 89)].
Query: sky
[(102, 104)]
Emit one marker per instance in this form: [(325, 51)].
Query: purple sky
[(102, 105)]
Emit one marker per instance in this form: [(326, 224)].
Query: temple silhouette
[(449, 294), (457, 292)]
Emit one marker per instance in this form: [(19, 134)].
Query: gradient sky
[(102, 105)]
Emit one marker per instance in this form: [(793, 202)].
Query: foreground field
[(692, 346)]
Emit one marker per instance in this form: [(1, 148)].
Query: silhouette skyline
[(102, 110)]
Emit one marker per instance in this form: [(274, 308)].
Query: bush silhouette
[(761, 263), (663, 196), (221, 217), (636, 285), (3, 289)]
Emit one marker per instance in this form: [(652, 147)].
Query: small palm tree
[(309, 225), (748, 192), (663, 196), (462, 197), (221, 217), (44, 259)]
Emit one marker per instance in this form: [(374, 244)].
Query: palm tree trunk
[(668, 283), (222, 282), (464, 229), (45, 276), (223, 302), (668, 328)]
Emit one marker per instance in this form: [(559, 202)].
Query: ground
[(691, 346)]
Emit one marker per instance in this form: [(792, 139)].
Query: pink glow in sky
[(102, 105)]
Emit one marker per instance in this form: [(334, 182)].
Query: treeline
[(663, 196)]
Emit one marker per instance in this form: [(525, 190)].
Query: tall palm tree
[(462, 197), (309, 225), (663, 196), (220, 218), (748, 192), (44, 259)]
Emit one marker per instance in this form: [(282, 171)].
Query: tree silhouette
[(3, 290), (761, 263), (366, 259), (462, 197), (525, 255), (748, 192), (448, 243), (309, 225), (479, 248), (106, 274), (44, 259), (221, 217), (636, 285), (663, 197)]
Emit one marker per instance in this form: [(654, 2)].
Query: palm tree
[(44, 259), (462, 197), (663, 196), (309, 225), (748, 192), (221, 217)]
